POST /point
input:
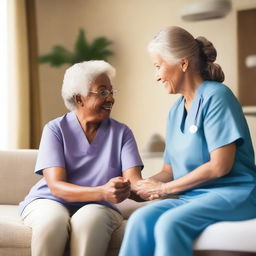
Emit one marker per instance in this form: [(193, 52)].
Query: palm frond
[(99, 49), (83, 51), (57, 57), (81, 48)]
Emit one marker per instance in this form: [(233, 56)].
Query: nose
[(110, 98), (157, 76)]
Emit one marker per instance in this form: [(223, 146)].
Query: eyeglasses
[(104, 93)]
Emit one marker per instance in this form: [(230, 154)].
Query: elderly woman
[(88, 162), (208, 159)]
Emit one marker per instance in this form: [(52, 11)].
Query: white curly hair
[(79, 77)]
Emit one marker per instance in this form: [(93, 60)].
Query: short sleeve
[(50, 151), (130, 155), (166, 157), (223, 120)]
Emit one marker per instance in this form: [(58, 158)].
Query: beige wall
[(130, 24)]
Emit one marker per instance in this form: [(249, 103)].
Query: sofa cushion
[(16, 251), (16, 174), (13, 234), (229, 236)]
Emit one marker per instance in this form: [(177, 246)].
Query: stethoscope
[(194, 127)]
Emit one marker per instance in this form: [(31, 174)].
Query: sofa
[(17, 177)]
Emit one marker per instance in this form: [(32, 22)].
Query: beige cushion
[(16, 251), (16, 174), (12, 231), (10, 213)]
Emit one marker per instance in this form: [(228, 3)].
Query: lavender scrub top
[(64, 144)]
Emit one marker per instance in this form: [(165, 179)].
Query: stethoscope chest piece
[(193, 128)]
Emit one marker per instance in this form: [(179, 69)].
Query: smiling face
[(171, 75), (95, 106)]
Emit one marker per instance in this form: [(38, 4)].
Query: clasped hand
[(150, 189), (116, 190)]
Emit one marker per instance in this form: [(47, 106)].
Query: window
[(4, 75)]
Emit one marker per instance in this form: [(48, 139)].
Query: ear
[(184, 64), (79, 100)]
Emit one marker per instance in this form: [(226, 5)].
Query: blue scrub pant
[(170, 226)]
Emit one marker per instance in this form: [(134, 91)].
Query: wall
[(141, 103)]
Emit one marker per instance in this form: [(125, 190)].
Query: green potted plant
[(83, 50)]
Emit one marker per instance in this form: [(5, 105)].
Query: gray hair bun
[(207, 49), (207, 54)]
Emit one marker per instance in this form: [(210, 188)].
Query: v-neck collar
[(82, 139), (188, 117)]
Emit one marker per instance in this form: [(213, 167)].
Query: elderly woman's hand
[(116, 190), (150, 189)]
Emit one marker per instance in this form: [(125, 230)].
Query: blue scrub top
[(215, 119)]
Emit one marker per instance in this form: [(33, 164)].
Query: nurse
[(208, 160), (88, 162)]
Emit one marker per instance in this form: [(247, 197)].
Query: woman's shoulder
[(120, 128), (216, 95), (215, 89), (56, 124), (117, 125)]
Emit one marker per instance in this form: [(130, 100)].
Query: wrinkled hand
[(116, 190), (150, 189)]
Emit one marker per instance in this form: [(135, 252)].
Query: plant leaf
[(83, 51), (98, 49), (57, 57)]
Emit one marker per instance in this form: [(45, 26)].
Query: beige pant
[(89, 229)]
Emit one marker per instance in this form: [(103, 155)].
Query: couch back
[(16, 174)]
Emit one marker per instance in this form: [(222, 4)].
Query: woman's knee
[(170, 223), (139, 215), (44, 212), (55, 225), (143, 216), (95, 216), (56, 222)]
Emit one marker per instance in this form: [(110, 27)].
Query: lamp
[(205, 9), (250, 61)]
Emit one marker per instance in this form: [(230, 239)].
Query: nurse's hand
[(116, 190), (150, 189)]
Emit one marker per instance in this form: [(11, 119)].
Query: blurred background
[(30, 91)]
